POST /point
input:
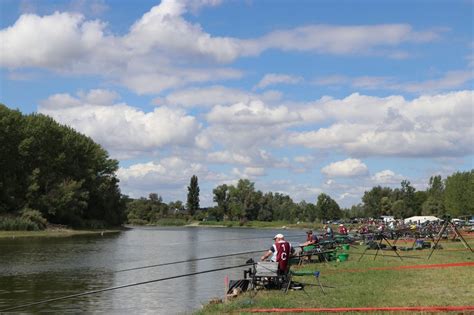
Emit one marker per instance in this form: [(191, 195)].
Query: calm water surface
[(34, 269)]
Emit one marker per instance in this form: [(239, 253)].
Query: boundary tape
[(459, 264), (366, 309)]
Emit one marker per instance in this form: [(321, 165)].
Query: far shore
[(233, 224), (66, 232), (55, 232)]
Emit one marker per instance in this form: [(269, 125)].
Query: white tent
[(421, 219)]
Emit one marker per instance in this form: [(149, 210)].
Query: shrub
[(171, 222), (137, 222), (34, 216), (211, 222), (94, 224), (17, 224)]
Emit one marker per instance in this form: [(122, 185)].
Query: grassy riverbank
[(63, 232), (373, 283)]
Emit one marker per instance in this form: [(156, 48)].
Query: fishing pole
[(185, 261), (233, 239), (190, 260), (120, 287), (202, 258), (199, 259)]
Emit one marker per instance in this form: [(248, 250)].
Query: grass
[(372, 288), (170, 222)]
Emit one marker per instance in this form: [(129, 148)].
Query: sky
[(300, 97)]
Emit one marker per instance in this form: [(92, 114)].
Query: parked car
[(459, 222)]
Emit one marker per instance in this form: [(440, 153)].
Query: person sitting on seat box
[(280, 251), (311, 238), (328, 233), (342, 229)]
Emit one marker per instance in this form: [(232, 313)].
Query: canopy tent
[(421, 219)]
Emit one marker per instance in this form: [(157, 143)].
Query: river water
[(35, 269)]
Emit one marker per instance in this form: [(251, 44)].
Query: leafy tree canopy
[(52, 169)]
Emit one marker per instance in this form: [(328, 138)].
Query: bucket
[(343, 256), (345, 246)]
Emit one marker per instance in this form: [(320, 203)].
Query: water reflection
[(43, 268), (191, 267)]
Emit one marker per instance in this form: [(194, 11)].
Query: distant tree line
[(243, 202), (51, 173), (453, 195)]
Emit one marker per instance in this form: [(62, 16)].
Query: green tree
[(283, 207), (398, 209), (222, 198), (310, 210), (408, 198), (433, 206), (327, 208), (243, 200), (386, 205), (137, 211), (12, 171), (372, 200), (434, 203), (192, 203), (176, 206), (54, 169), (266, 207), (357, 211), (420, 198), (459, 193)]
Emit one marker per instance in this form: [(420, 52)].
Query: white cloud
[(61, 100), (216, 95), (92, 7), (335, 79), (247, 126), (297, 191), (249, 172), (241, 137), (162, 50), (163, 28), (341, 40), (370, 82), (49, 42), (251, 113), (438, 125), (387, 177), (304, 159), (120, 127), (145, 59), (274, 78), (167, 177), (98, 96), (449, 80), (157, 78), (346, 168), (229, 157)]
